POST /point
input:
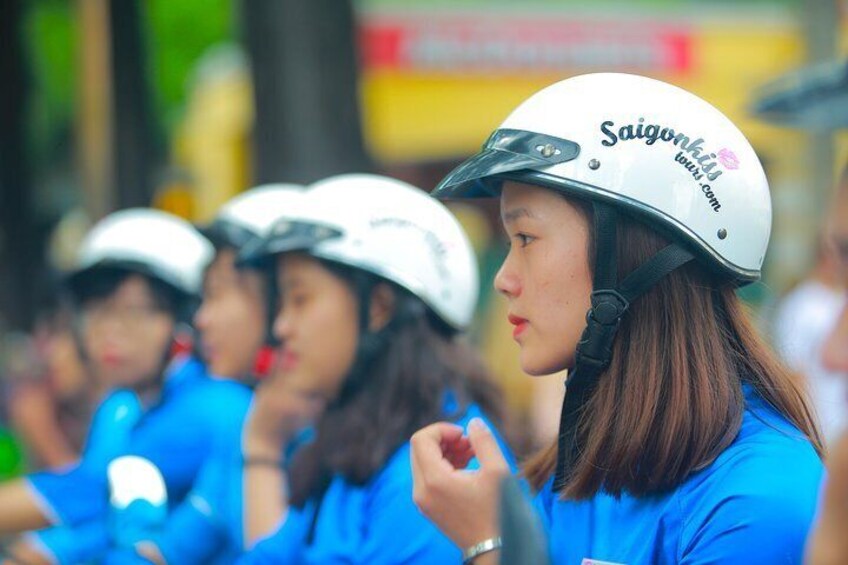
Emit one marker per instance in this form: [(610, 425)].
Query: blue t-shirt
[(208, 527), (754, 504), (195, 414), (377, 523)]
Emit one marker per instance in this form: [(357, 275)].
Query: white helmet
[(391, 229), (644, 146), (252, 213), (150, 242)]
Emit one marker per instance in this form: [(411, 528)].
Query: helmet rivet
[(722, 233), (594, 164), (548, 150)]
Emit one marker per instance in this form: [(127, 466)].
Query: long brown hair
[(671, 400)]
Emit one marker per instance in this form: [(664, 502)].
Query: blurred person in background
[(828, 543), (834, 354), (134, 290), (233, 317), (51, 397), (376, 282), (801, 323), (234, 323), (807, 314), (643, 205)]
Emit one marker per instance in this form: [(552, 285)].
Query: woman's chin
[(542, 367)]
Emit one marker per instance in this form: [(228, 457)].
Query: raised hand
[(462, 503)]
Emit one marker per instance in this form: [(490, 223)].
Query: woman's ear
[(382, 306)]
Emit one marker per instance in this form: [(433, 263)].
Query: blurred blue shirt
[(374, 524), (194, 415), (208, 527)]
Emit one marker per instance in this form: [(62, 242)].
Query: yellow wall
[(413, 115)]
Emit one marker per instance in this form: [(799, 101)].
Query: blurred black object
[(523, 540), (815, 97), (305, 75)]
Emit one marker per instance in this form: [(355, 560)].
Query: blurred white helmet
[(151, 242), (252, 213), (644, 146), (388, 228)]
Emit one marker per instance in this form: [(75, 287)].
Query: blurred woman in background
[(234, 325), (134, 290), (376, 283)]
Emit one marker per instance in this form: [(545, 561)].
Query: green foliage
[(178, 33), (50, 41), (11, 456)]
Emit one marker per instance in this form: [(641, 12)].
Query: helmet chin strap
[(610, 302)]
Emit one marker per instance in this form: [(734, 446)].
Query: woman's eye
[(295, 299), (523, 239)]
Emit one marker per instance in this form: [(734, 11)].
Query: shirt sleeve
[(192, 535), (111, 428), (759, 515), (70, 496), (195, 530), (77, 493)]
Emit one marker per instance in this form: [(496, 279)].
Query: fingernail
[(477, 424)]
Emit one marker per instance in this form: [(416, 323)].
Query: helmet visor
[(286, 236), (223, 233), (506, 151)]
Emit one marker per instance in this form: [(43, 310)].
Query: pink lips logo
[(729, 159)]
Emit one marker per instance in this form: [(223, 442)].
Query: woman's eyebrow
[(515, 213), (289, 283)]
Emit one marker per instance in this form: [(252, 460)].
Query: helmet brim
[(222, 233), (286, 236), (506, 151)]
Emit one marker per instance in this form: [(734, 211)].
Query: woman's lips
[(287, 360), (112, 359), (519, 323)]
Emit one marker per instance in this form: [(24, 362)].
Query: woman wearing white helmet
[(642, 204), (234, 322), (135, 289), (233, 318), (376, 282)]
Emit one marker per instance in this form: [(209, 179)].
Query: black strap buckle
[(595, 346)]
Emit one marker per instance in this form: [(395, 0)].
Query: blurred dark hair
[(422, 374), (101, 283)]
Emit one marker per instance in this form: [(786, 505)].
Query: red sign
[(505, 44)]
